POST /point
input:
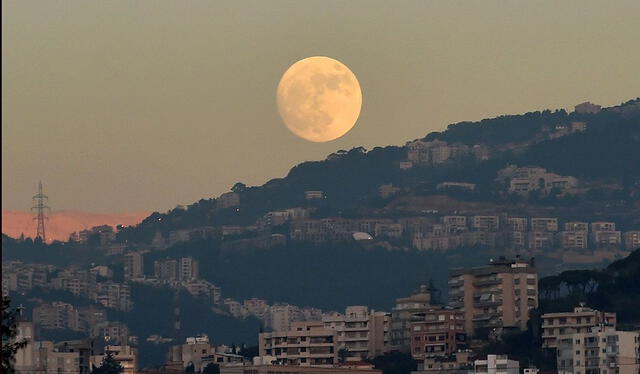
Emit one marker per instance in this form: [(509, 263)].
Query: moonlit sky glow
[(143, 105)]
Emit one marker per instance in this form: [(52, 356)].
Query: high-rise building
[(188, 269), (359, 331), (499, 295), (402, 315), (133, 265)]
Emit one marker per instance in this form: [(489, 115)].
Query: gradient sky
[(143, 105)]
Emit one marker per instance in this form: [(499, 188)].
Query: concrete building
[(540, 240), (438, 332), (199, 352), (56, 315), (403, 314), (485, 223), (524, 180), (133, 265), (576, 226), (281, 316), (517, 224), (544, 224), (557, 327), (631, 240), (188, 269), (166, 270), (114, 295), (496, 296), (606, 239), (363, 333), (574, 239), (601, 350), (496, 364), (305, 344), (314, 195)]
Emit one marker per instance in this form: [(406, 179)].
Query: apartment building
[(498, 295), (485, 223), (607, 238), (305, 344), (544, 224), (188, 269), (631, 240), (517, 224), (438, 332), (576, 226), (281, 316), (601, 350), (573, 239), (166, 270), (56, 315), (403, 314), (133, 265), (363, 333), (457, 223), (114, 295), (540, 240), (257, 307), (557, 327), (496, 364)]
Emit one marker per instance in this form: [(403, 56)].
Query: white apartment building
[(544, 224), (557, 327), (496, 364), (602, 350), (305, 344)]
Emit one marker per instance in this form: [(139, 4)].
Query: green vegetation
[(9, 332)]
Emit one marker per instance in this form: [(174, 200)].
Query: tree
[(191, 368), (395, 363), (109, 366), (211, 368), (239, 187), (9, 332)]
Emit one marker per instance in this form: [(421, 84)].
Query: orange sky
[(63, 223)]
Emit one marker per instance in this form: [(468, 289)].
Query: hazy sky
[(143, 105)]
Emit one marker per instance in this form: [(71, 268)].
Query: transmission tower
[(40, 206)]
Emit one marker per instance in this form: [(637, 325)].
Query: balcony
[(482, 316), (487, 303), (487, 282)]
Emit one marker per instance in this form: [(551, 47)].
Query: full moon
[(319, 99)]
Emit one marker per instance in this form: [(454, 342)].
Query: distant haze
[(144, 105), (63, 223)]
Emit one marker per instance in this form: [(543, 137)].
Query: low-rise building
[(496, 364), (305, 344), (125, 355), (557, 327)]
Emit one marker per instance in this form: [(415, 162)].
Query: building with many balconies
[(557, 327), (305, 344), (499, 295)]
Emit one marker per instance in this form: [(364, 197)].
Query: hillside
[(605, 157)]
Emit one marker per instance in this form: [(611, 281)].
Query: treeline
[(613, 289)]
